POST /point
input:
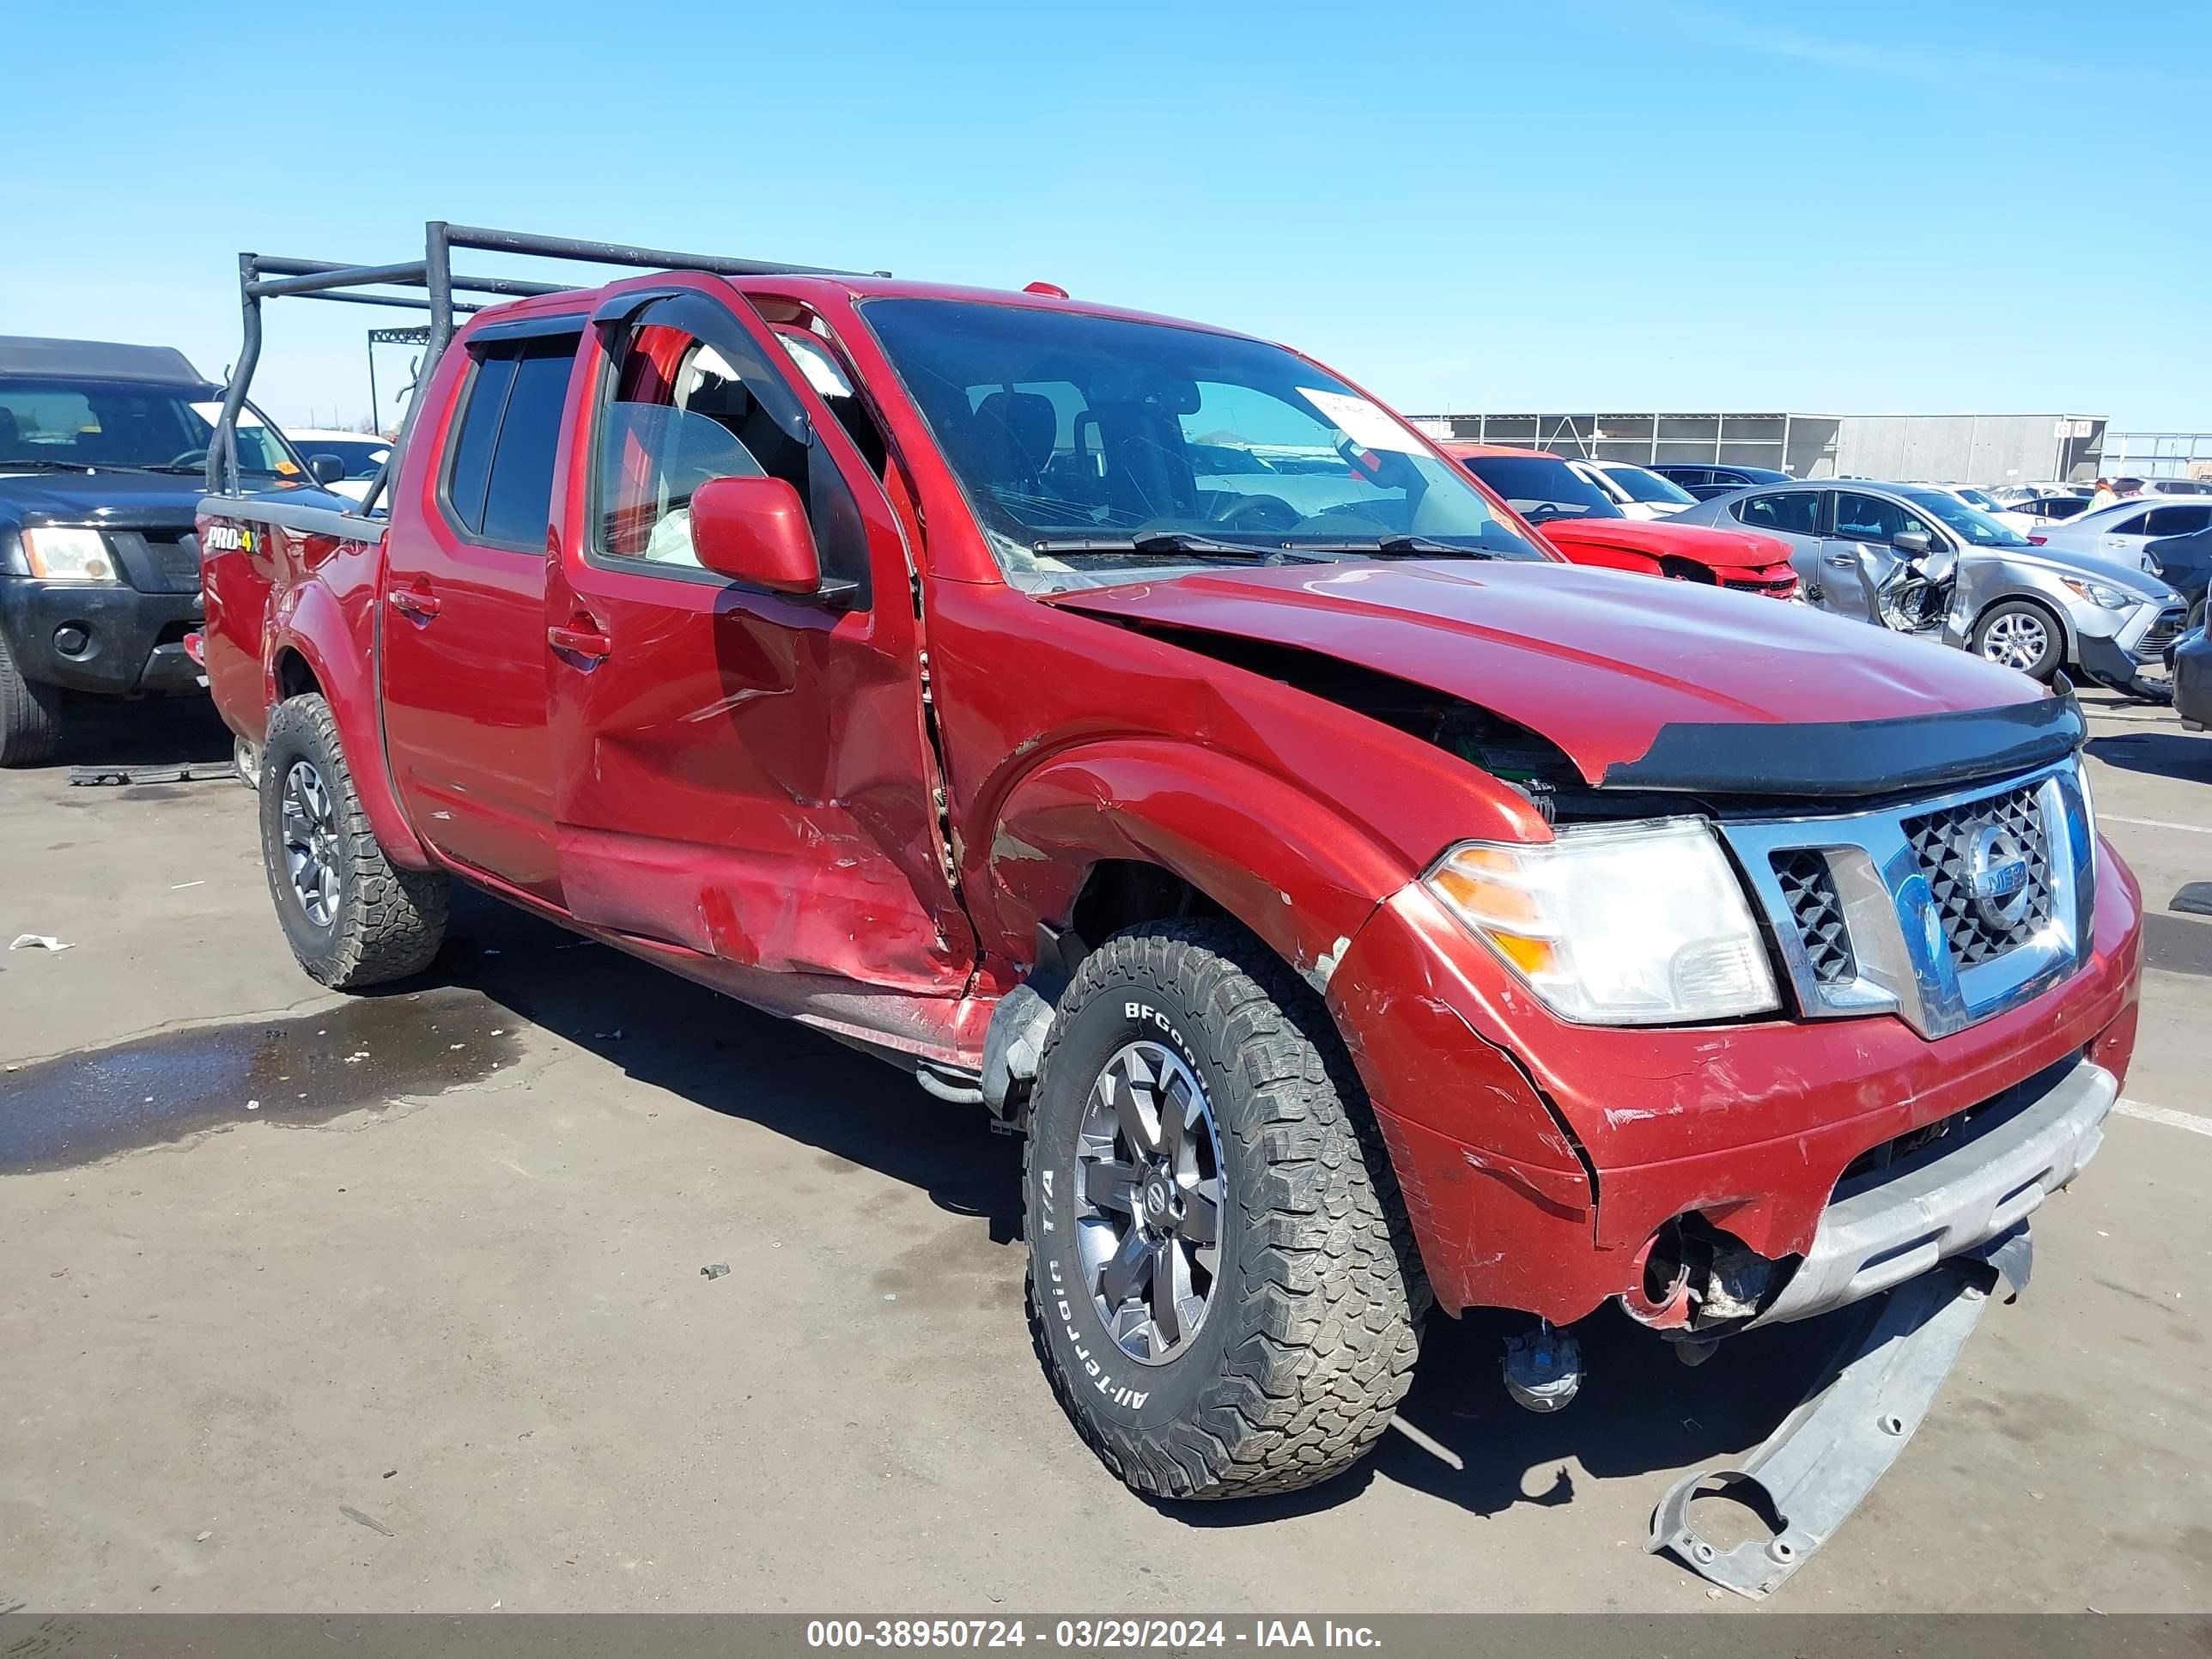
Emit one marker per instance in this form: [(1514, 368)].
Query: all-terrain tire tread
[(30, 715), (1328, 1254), (390, 922)]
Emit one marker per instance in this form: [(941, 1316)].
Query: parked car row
[(1861, 547)]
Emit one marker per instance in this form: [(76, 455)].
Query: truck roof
[(102, 360), (809, 290)]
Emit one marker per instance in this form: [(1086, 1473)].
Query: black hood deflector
[(1845, 759)]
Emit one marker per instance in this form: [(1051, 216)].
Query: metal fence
[(2158, 455), (1983, 449)]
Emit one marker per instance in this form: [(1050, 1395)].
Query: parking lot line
[(2158, 824), (2172, 1120)]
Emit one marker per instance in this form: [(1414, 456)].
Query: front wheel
[(30, 715), (352, 917), (2020, 633), (1223, 1287)]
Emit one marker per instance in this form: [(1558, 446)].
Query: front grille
[(158, 560), (1944, 843), (1781, 589), (1810, 891), (2163, 633), (179, 559)]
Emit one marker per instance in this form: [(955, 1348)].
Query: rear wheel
[(352, 917), (30, 715), (2020, 633), (1223, 1286)]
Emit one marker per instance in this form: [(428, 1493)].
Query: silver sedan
[(2036, 609)]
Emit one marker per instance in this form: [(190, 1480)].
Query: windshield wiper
[(1407, 547), (1163, 542), (51, 464)]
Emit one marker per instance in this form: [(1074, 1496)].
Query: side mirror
[(325, 469), (755, 531), (1914, 542)]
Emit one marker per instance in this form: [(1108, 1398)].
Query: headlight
[(73, 555), (2097, 594), (1640, 924)]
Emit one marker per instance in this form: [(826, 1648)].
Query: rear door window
[(499, 483), (2177, 520), (1788, 512)]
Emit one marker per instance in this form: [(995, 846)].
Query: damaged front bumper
[(1946, 1197)]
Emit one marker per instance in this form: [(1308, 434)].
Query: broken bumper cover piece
[(1952, 1194), (1819, 1466)]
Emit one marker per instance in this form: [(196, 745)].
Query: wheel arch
[(310, 650), (1075, 839)]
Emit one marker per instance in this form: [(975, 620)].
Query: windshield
[(1977, 526), (1543, 487), (1979, 498), (77, 425), (361, 456), (1638, 485), (1097, 443)]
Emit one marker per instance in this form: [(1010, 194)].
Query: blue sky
[(1859, 206)]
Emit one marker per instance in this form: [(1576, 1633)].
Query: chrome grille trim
[(1903, 958)]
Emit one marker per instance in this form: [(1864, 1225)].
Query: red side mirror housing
[(755, 531)]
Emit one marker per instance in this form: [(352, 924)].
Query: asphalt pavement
[(396, 1303)]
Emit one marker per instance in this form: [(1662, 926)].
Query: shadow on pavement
[(666, 1031), (112, 731), (1640, 1411), (2160, 754)]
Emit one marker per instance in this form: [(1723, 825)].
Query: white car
[(2119, 533), (361, 452), (1639, 492), (1983, 501)]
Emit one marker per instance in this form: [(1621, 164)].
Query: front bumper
[(134, 641), (1541, 1161), (1956, 1192)]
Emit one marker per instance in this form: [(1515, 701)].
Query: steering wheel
[(190, 458), (1263, 512)]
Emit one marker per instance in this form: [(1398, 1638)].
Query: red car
[(1580, 520), (1131, 728)]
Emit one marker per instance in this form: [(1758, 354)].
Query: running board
[(1816, 1468)]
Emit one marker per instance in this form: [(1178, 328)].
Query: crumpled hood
[(1597, 660), (1658, 539)]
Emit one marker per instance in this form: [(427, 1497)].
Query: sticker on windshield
[(1360, 421)]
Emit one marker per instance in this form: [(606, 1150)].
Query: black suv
[(1705, 482), (102, 454)]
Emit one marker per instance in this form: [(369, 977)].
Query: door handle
[(413, 602), (1842, 561), (589, 645)]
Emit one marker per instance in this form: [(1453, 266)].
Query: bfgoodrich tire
[(352, 917), (30, 715), (1222, 1287)]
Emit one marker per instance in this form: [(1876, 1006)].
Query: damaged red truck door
[(738, 772)]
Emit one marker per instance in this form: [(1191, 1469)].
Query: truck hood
[(126, 500), (1600, 662), (1658, 539)]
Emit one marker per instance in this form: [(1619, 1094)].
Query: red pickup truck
[(1132, 728)]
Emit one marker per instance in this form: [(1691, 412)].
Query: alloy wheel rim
[(2015, 641), (310, 837), (1148, 1202)]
